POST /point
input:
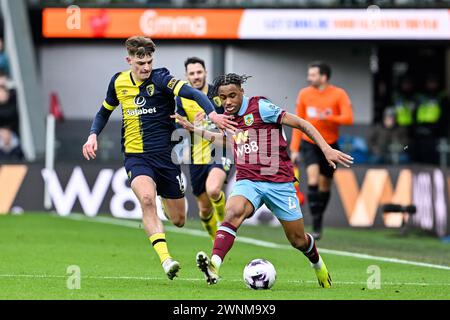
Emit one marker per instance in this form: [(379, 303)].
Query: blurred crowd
[(413, 126)]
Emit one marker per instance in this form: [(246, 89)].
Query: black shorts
[(312, 154), (159, 167), (199, 174)]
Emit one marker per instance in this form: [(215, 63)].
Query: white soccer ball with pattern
[(259, 274)]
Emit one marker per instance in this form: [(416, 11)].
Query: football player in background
[(207, 175)]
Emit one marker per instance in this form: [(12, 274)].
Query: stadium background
[(75, 68)]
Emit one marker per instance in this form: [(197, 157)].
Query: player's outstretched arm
[(214, 137), (222, 121), (333, 156)]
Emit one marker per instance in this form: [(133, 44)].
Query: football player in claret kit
[(264, 173), (146, 96), (208, 169)]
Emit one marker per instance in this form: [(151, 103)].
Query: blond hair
[(140, 46)]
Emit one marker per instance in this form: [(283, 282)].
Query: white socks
[(216, 260), (317, 265)]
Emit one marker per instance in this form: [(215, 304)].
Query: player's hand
[(334, 156), (198, 119), (90, 147), (223, 121), (295, 156), (183, 122)]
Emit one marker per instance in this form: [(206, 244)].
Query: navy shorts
[(159, 167), (199, 174), (313, 155)]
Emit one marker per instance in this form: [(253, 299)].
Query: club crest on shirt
[(217, 101), (248, 119), (150, 89)]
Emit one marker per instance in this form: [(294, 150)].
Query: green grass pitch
[(117, 262)]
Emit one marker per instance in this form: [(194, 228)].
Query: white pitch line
[(45, 276), (256, 242)]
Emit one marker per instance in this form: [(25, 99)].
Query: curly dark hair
[(229, 78)]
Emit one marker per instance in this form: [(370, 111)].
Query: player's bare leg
[(295, 232), (324, 183), (313, 173), (214, 183), (175, 210), (145, 190), (207, 215), (238, 208)]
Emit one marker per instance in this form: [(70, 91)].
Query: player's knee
[(148, 201), (179, 221), (213, 192)]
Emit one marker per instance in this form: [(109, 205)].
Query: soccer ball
[(259, 274)]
